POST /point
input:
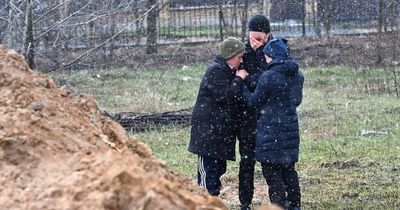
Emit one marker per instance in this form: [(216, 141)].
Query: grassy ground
[(121, 90), (349, 124)]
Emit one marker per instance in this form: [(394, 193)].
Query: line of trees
[(26, 23), (43, 28)]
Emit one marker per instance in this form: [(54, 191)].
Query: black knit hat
[(230, 47), (259, 23)]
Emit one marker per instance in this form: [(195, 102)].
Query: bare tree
[(221, 21), (51, 28), (303, 20), (244, 18), (316, 22), (3, 21), (29, 40), (152, 26), (325, 13), (381, 18), (139, 23), (381, 15), (15, 20)]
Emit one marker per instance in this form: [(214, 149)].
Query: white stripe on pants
[(202, 172)]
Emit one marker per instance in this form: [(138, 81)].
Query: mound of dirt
[(58, 152)]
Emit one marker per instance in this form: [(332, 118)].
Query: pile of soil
[(58, 152)]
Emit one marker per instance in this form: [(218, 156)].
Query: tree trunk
[(325, 14), (152, 27), (266, 6), (316, 19), (9, 33), (221, 21), (381, 15), (381, 10), (29, 40), (303, 22), (234, 17), (327, 21), (245, 15), (112, 25)]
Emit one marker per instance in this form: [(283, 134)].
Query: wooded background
[(48, 29)]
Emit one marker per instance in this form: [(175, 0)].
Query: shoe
[(294, 208), (245, 207)]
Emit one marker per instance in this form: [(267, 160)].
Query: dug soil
[(58, 152)]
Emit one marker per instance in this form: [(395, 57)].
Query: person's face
[(236, 60), (257, 39), (259, 36)]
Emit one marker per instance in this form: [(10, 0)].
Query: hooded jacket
[(278, 93)]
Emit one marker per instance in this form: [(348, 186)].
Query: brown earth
[(58, 152)]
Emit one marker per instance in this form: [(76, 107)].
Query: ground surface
[(58, 152)]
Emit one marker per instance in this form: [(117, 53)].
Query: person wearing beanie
[(259, 32), (214, 116), (276, 49), (278, 93), (260, 23), (230, 47)]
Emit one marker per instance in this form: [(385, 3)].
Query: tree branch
[(61, 21), (50, 11), (105, 42), (15, 8)]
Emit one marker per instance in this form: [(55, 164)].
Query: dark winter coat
[(254, 63), (278, 93), (215, 113)]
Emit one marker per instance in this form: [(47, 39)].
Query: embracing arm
[(260, 95)]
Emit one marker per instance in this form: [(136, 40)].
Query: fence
[(84, 25), (190, 23)]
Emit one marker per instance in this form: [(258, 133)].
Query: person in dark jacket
[(215, 114), (278, 93), (254, 63)]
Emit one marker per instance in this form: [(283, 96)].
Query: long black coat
[(215, 112), (278, 93), (254, 63)]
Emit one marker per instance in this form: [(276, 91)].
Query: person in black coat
[(278, 93), (254, 63), (215, 114)]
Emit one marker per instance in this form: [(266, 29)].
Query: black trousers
[(283, 183), (209, 172), (247, 141)]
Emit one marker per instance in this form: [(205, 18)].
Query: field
[(349, 119)]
